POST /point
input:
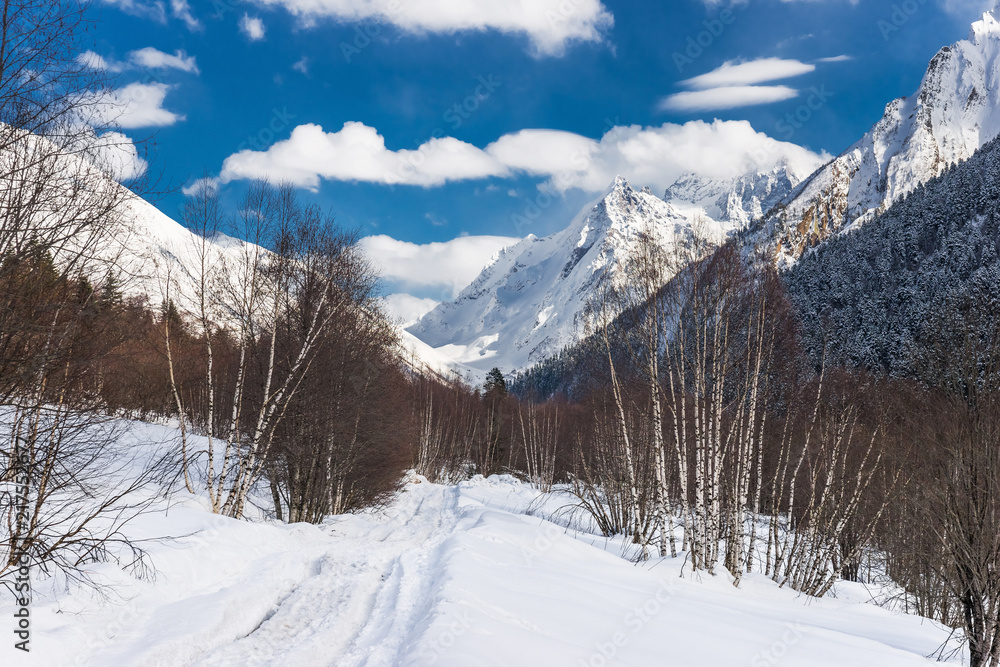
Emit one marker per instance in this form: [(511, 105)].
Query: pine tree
[(495, 384)]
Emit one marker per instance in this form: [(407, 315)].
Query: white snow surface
[(954, 112), (482, 573), (736, 202), (154, 246), (425, 359)]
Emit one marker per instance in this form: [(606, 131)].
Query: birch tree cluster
[(713, 438), (290, 365), (837, 421), (67, 484), (912, 295)]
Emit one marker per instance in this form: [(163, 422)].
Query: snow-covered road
[(461, 576), (366, 596)]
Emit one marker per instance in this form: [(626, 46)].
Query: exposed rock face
[(955, 111)]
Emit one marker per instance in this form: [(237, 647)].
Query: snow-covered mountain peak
[(954, 112), (531, 302), (986, 27), (733, 202)]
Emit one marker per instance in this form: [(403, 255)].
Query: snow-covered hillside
[(735, 202), (955, 111), (155, 257), (531, 301), (153, 247), (489, 572)]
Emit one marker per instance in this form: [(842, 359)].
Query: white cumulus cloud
[(443, 268), (358, 153), (133, 106), (118, 156), (654, 156), (407, 309), (252, 27)]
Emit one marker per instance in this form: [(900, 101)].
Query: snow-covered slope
[(955, 111), (734, 202), (153, 247), (423, 358), (483, 573), (530, 301)]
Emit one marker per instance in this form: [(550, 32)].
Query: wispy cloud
[(156, 59), (729, 97), (836, 59), (252, 27), (182, 10), (550, 25), (967, 8), (149, 9), (146, 58), (749, 73), (734, 84)]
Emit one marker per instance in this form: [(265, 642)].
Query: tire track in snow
[(369, 592)]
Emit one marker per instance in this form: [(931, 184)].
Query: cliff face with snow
[(531, 301), (734, 202), (954, 112)]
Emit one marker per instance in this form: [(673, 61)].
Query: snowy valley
[(742, 410), (484, 572)]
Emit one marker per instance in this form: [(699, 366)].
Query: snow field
[(462, 575)]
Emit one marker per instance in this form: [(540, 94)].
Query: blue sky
[(308, 90)]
